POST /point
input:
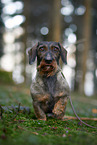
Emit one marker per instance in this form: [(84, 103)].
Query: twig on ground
[(75, 118), (17, 112)]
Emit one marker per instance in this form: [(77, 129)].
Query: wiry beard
[(47, 69)]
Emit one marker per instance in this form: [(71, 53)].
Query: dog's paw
[(44, 119)]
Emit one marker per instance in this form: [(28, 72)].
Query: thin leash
[(74, 109)]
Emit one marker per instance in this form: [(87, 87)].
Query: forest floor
[(17, 128)]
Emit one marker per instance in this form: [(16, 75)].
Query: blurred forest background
[(71, 22)]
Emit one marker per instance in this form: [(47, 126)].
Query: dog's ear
[(63, 53), (32, 52)]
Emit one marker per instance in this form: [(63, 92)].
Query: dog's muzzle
[(47, 67)]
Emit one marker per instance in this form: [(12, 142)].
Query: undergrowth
[(24, 128)]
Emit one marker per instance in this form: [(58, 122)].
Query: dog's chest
[(50, 84)]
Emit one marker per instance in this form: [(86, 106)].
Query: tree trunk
[(55, 22), (25, 12), (87, 36)]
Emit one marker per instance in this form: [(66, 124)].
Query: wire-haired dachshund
[(49, 90)]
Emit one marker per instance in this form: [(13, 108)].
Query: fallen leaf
[(20, 127), (35, 133), (15, 119), (94, 111)]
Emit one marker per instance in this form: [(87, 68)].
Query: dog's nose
[(48, 58), (48, 61)]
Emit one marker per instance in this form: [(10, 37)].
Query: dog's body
[(49, 90)]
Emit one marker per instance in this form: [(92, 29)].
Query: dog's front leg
[(39, 105), (38, 111), (59, 108)]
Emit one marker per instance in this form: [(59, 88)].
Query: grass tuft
[(26, 129)]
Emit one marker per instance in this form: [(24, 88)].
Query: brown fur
[(47, 69), (49, 90)]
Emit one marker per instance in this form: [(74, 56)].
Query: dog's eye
[(42, 49), (55, 49)]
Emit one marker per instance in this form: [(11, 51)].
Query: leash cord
[(78, 116), (74, 109)]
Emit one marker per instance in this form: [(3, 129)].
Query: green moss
[(26, 129), (6, 77)]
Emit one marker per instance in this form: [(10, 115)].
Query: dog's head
[(48, 55)]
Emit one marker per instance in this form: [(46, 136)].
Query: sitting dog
[(49, 90)]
